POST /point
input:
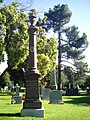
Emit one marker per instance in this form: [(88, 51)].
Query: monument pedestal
[(32, 106)]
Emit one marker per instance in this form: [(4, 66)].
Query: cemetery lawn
[(74, 108)]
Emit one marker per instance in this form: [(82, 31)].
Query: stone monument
[(16, 97), (55, 95), (53, 79), (32, 106), (17, 87), (46, 93), (12, 86), (72, 90)]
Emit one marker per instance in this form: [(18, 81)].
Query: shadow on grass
[(10, 114), (82, 100)]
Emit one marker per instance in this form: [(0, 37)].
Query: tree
[(13, 36), (57, 18), (72, 45), (1, 1), (65, 80), (69, 72), (47, 52), (81, 73), (16, 36), (87, 82), (6, 78), (77, 75), (2, 33)]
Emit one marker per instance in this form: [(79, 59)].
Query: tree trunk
[(59, 62)]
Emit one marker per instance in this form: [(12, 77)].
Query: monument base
[(32, 104), (32, 112)]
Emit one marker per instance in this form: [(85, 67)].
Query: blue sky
[(80, 13)]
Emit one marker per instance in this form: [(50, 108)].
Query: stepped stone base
[(32, 112)]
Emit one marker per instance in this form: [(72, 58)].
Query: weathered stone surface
[(46, 93), (70, 92), (32, 104), (33, 112), (17, 87), (32, 93), (53, 77), (18, 99), (56, 97)]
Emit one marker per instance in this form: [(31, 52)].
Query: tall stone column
[(53, 77), (32, 106)]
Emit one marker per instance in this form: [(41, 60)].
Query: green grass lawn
[(74, 108)]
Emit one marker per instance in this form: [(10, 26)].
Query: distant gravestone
[(1, 89), (56, 97), (6, 88), (88, 90), (12, 86), (69, 85), (17, 87), (16, 97), (53, 78), (46, 93), (71, 92)]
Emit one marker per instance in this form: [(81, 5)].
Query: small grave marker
[(16, 98), (46, 93), (56, 97)]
